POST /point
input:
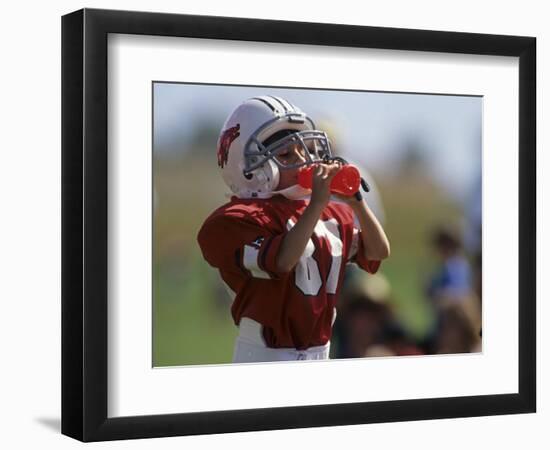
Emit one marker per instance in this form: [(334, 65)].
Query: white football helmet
[(248, 157)]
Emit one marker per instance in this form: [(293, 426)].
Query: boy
[(281, 249)]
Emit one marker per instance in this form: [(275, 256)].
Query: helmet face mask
[(313, 145)]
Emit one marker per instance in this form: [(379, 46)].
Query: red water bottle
[(345, 182)]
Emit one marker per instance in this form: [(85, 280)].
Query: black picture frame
[(84, 224)]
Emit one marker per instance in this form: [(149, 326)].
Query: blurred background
[(422, 156)]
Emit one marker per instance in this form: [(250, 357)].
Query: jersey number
[(308, 276)]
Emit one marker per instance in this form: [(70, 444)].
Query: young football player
[(281, 249)]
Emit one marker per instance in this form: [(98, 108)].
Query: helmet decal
[(227, 137)]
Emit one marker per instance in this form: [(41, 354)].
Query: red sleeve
[(357, 254), (236, 244)]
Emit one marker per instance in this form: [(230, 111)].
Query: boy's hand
[(321, 178)]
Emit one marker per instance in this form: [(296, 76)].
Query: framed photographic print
[(273, 224)]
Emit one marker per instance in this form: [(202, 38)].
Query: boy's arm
[(296, 239), (375, 242)]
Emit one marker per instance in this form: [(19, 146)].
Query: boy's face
[(293, 153)]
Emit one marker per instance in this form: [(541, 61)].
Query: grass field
[(192, 322)]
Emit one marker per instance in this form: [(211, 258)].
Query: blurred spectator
[(398, 340), (366, 325), (453, 278), (473, 209), (452, 285), (458, 332), (473, 236)]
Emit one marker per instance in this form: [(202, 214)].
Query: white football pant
[(250, 347)]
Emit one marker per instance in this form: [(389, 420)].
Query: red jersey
[(296, 309)]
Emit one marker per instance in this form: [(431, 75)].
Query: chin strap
[(295, 192), (365, 187)]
